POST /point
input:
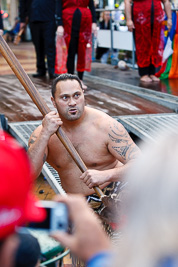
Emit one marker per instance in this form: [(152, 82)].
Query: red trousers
[(148, 17), (69, 7)]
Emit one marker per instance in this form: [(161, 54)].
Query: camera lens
[(60, 225)]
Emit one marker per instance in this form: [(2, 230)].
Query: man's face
[(69, 100)]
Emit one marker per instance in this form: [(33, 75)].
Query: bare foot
[(154, 78), (145, 79), (84, 87)]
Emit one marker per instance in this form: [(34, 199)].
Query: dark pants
[(73, 46), (43, 37), (147, 70)]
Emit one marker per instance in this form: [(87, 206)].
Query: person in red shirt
[(77, 21)]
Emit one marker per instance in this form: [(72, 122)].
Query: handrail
[(56, 258), (121, 9)]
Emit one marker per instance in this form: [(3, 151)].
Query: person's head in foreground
[(28, 252), (150, 235), (17, 203)]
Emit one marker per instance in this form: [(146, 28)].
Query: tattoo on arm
[(122, 146), (133, 153), (32, 140), (122, 151), (117, 132)]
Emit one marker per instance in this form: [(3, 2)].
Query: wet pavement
[(131, 77), (17, 105)]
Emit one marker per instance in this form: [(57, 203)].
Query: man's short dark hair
[(64, 77)]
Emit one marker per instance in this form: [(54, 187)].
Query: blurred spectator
[(43, 16), (9, 35), (102, 53), (28, 252), (150, 232), (17, 203)]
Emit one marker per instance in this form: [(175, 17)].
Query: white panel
[(121, 40)]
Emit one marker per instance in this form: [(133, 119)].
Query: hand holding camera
[(56, 217), (87, 237)]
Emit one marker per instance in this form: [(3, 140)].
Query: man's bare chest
[(92, 151)]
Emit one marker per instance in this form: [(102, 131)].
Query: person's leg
[(38, 41), (49, 30), (144, 74), (142, 37), (152, 67), (73, 45), (152, 73), (71, 54), (80, 75)]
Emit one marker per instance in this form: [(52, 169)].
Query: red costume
[(68, 9), (148, 17)]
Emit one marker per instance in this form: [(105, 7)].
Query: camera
[(56, 219)]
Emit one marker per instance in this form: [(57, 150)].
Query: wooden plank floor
[(25, 53), (42, 189)]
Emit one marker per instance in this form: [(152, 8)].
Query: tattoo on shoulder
[(118, 135), (120, 132)]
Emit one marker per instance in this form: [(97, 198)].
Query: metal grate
[(146, 127), (143, 126), (22, 132)]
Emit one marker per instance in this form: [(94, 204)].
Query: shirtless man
[(103, 143)]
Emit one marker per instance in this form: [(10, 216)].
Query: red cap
[(17, 203)]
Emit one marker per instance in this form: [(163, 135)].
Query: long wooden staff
[(42, 106)]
